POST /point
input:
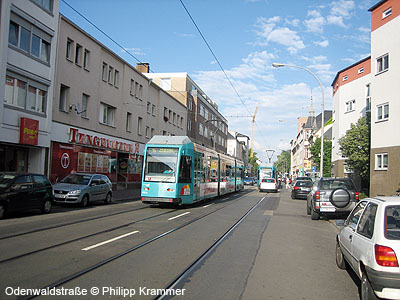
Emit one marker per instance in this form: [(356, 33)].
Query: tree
[(355, 146), (253, 163), (283, 162), (316, 155)]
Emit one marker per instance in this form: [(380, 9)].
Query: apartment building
[(104, 110), (385, 104), (28, 40), (238, 146), (205, 124), (351, 101)]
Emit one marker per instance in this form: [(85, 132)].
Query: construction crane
[(252, 131)]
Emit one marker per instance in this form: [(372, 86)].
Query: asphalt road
[(276, 252)]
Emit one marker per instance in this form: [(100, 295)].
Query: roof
[(169, 140), (377, 5), (349, 67), (390, 199)]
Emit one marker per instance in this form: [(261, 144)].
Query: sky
[(246, 37)]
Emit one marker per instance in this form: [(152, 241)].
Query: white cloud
[(336, 20), (340, 10), (315, 25), (322, 44), (320, 67), (294, 22)]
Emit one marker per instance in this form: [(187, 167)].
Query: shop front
[(90, 152)]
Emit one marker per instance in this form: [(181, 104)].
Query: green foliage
[(283, 163), (253, 162), (355, 146), (316, 155)]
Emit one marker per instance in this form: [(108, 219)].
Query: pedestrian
[(287, 183)]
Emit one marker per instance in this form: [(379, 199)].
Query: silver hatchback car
[(83, 188), (369, 242)]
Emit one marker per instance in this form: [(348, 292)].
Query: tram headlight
[(170, 190)]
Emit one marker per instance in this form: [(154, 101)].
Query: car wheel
[(293, 197), (46, 206), (85, 201), (108, 199), (314, 215), (340, 261), (366, 290), (308, 210), (2, 211)]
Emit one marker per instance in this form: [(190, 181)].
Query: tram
[(178, 171), (265, 172)]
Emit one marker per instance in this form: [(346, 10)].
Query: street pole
[(278, 65)]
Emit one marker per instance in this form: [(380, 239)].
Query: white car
[(268, 184), (369, 242)]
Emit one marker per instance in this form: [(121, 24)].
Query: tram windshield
[(160, 164)]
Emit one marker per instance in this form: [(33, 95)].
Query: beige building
[(385, 104), (205, 124), (28, 44), (104, 110)]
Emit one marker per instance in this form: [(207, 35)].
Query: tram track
[(103, 262)]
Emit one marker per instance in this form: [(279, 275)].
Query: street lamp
[(278, 65)]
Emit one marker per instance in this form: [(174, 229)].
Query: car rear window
[(6, 179), (269, 180), (304, 183), (335, 184), (392, 222)]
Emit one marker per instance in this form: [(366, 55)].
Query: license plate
[(327, 209), (306, 189), (60, 196)]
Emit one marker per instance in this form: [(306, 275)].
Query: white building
[(385, 104), (351, 100), (28, 43)]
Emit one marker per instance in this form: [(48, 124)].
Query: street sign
[(314, 169)]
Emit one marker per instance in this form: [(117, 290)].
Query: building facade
[(205, 124), (351, 101), (104, 111), (385, 105), (28, 43)]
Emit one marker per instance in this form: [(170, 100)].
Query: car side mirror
[(339, 223)]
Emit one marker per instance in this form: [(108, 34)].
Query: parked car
[(24, 191), (268, 184), (331, 196), (83, 188), (248, 181), (369, 242), (301, 189)]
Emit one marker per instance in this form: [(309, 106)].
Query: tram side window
[(185, 170)]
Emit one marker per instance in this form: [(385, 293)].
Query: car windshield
[(304, 183), (268, 180), (335, 184), (392, 222), (77, 179), (6, 179)]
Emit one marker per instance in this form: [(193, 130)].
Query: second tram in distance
[(178, 171)]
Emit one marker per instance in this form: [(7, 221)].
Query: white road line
[(109, 241), (179, 216), (208, 205)]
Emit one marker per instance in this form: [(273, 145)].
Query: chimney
[(143, 67)]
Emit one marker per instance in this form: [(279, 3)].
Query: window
[(361, 70), (147, 131), (392, 222), (152, 132), (148, 107), (165, 83), (206, 114), (201, 110), (132, 88), (383, 112), (25, 94), (116, 78), (78, 54), (64, 92), (128, 121), (387, 13), (140, 92), (350, 105), (345, 78), (104, 71), (30, 39), (70, 45), (367, 221), (139, 126), (382, 63), (368, 98), (190, 104), (355, 215), (45, 4), (136, 89), (85, 101), (86, 56), (107, 114), (153, 110), (165, 114), (381, 161), (110, 75), (201, 129), (185, 169), (174, 118)]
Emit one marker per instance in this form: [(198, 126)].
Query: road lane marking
[(179, 216), (109, 241), (208, 205), (268, 213)]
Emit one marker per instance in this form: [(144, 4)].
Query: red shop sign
[(28, 131)]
